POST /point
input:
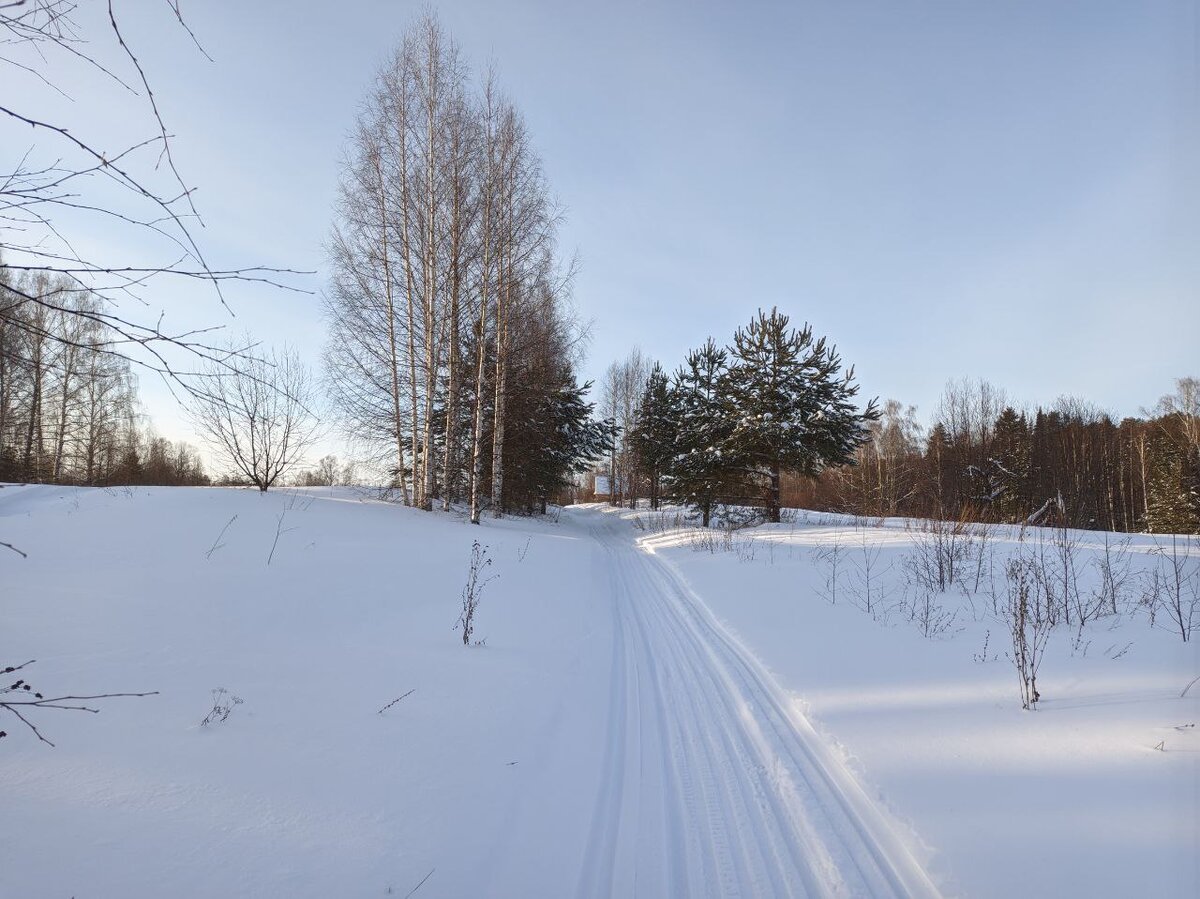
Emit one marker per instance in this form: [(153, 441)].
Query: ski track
[(712, 785)]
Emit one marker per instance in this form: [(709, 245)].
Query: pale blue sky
[(998, 189)]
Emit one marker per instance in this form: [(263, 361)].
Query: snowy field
[(1096, 793), (654, 711)]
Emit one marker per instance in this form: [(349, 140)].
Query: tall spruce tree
[(655, 431), (1173, 500), (698, 473), (557, 440), (794, 405), (1009, 465)]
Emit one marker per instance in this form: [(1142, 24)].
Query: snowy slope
[(484, 774), (613, 737)]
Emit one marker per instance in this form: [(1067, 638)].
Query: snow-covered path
[(712, 785)]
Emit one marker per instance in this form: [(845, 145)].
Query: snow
[(305, 790), (642, 719), (1070, 799)]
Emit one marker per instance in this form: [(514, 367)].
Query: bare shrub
[(1026, 612), (1172, 590), (704, 540), (745, 547), (473, 590), (223, 704), (941, 552), (923, 609), (868, 581), (982, 657), (658, 520), (1062, 565), (831, 557), (984, 553), (1117, 577)]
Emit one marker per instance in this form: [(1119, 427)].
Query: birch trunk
[(393, 348), (430, 276)]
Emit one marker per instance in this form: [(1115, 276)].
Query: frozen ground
[(612, 737)]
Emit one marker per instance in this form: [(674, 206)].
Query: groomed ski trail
[(712, 784)]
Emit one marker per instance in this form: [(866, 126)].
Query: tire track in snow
[(746, 799), (596, 875)]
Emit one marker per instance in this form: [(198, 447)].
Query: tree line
[(452, 352), (733, 421), (984, 459), (68, 397), (769, 421)]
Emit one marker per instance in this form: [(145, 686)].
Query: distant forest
[(68, 396), (984, 459)]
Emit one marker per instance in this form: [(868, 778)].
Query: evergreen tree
[(654, 434), (698, 474), (938, 452), (577, 440), (1008, 466), (558, 439), (794, 405), (1173, 501), (1045, 437)]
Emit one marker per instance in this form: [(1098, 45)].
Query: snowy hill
[(652, 712)]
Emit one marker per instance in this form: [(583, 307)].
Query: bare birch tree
[(624, 383), (446, 228)]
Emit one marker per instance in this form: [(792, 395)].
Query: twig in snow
[(396, 700), (1189, 686), (280, 530), (422, 883), (21, 688), (217, 544), (14, 549)]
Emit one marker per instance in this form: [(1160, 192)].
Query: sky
[(944, 189)]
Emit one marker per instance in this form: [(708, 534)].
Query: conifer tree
[(575, 439), (794, 405), (937, 453), (655, 431), (1173, 501), (1008, 466), (699, 474)]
